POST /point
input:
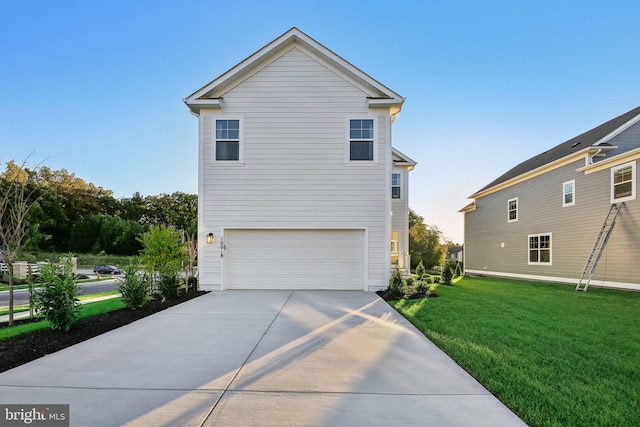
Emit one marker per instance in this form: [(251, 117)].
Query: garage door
[(294, 259)]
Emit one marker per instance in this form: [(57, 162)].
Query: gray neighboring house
[(540, 219)]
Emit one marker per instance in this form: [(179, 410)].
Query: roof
[(211, 95), (400, 159), (596, 137)]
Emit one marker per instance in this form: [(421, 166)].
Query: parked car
[(107, 269)]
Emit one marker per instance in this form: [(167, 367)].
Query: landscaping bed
[(27, 347)]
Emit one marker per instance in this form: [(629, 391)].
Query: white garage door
[(294, 259)]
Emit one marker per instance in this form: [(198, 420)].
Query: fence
[(21, 268)]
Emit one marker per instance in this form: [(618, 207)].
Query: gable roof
[(596, 137), (400, 159), (211, 95)]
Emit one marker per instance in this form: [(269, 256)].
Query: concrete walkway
[(260, 358)]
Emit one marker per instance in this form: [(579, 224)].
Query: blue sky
[(96, 87)]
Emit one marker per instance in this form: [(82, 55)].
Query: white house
[(297, 176)]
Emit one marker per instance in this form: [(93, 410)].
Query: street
[(21, 296)]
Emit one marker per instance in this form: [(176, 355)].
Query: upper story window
[(512, 210), (227, 140), (395, 185), (623, 182), (569, 193), (540, 249), (361, 141)]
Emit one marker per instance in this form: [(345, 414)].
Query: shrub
[(57, 300), (408, 281), (428, 279), (397, 287), (135, 289), (421, 271), (422, 288), (447, 274), (169, 286)]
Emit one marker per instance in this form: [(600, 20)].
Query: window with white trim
[(395, 238), (396, 180), (623, 182), (540, 249), (569, 193), (512, 210), (361, 140), (227, 140)]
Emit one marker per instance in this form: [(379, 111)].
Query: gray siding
[(573, 228)]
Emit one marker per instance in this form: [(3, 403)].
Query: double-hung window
[(540, 249), (512, 210), (227, 141), (569, 193), (361, 140), (395, 185), (623, 182)]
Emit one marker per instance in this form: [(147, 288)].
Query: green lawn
[(86, 310), (555, 356)]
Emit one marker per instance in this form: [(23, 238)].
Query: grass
[(555, 356), (86, 310)]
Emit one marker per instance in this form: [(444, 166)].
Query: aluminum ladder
[(598, 247)]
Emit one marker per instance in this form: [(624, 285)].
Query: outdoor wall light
[(210, 238)]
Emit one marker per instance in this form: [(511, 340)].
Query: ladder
[(598, 247)]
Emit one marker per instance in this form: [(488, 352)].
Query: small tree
[(135, 289), (421, 271), (191, 249), (447, 274), (397, 287), (57, 299), (162, 256), (18, 195)]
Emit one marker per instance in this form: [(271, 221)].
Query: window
[(512, 210), (623, 182), (540, 249), (361, 147), (395, 185), (568, 193), (394, 247), (227, 146)]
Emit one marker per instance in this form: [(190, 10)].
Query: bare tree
[(191, 247), (18, 194)]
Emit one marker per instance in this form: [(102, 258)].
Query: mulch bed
[(384, 294), (25, 348)]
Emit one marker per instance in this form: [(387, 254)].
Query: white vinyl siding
[(294, 124), (623, 182), (512, 210), (569, 193)]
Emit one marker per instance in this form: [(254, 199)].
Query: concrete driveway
[(260, 358)]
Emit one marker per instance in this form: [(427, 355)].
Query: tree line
[(72, 215)]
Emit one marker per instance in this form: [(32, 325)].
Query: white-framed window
[(361, 142), (512, 210), (227, 141), (569, 193), (540, 249), (396, 180), (395, 242), (623, 182)]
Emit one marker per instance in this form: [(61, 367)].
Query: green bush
[(428, 279), (447, 274), (135, 289), (421, 271), (57, 299), (397, 287), (408, 281), (169, 286), (422, 288)]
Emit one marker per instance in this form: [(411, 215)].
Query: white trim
[(509, 220), (240, 160), (633, 182), (573, 193), (529, 262), (618, 131), (347, 145), (567, 280)]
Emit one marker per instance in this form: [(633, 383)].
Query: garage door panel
[(294, 259)]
